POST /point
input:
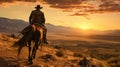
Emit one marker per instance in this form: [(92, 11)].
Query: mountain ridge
[(16, 25)]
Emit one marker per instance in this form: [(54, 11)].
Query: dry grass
[(62, 53)]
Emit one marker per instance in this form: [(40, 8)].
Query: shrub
[(13, 35), (59, 53), (114, 62), (77, 55), (48, 56), (57, 47)]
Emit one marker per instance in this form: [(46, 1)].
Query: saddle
[(28, 28)]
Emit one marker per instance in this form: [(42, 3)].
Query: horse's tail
[(23, 41), (20, 44), (19, 49)]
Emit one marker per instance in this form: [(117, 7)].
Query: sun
[(85, 27)]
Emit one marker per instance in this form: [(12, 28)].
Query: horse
[(33, 35)]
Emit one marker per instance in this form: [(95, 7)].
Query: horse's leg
[(29, 52), (40, 44), (35, 50)]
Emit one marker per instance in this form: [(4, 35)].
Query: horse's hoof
[(28, 60), (33, 57), (30, 63)]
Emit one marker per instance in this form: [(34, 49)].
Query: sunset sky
[(84, 14)]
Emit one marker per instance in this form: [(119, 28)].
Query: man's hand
[(30, 22)]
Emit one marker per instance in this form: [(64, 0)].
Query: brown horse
[(33, 35)]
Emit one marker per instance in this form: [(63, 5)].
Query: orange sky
[(79, 15)]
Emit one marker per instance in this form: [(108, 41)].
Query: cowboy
[(37, 18)]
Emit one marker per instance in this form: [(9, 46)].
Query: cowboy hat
[(38, 6)]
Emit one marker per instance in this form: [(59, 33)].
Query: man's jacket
[(37, 17)]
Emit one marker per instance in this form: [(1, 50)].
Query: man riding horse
[(37, 18)]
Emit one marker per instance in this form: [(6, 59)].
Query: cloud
[(11, 1), (78, 7), (101, 6), (63, 2), (6, 1), (66, 4), (107, 6), (110, 6), (79, 14), (75, 6)]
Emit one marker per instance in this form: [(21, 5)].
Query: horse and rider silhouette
[(35, 32)]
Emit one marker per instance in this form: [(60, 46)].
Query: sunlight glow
[(85, 27)]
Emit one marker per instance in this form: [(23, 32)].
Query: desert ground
[(62, 51)]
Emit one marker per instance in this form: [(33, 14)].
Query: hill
[(11, 25), (14, 26), (101, 47), (50, 56)]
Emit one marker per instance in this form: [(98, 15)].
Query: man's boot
[(44, 37)]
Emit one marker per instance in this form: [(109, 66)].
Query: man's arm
[(30, 18), (43, 18)]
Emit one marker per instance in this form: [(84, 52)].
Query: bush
[(103, 56), (77, 55), (59, 53), (48, 56), (13, 36), (114, 62), (57, 47)]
